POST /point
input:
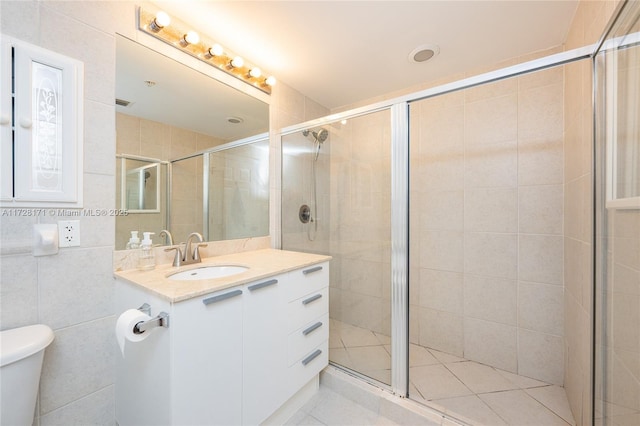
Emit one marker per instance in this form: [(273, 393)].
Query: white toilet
[(21, 355)]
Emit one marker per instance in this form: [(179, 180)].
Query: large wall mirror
[(178, 130)]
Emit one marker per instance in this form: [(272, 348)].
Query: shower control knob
[(304, 213)]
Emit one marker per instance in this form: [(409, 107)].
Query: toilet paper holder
[(161, 320)]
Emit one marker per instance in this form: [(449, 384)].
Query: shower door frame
[(399, 108), (605, 198)]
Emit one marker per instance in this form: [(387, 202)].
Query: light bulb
[(161, 20), (216, 50), (270, 81), (255, 72), (237, 62), (191, 37)]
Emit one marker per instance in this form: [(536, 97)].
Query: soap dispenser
[(134, 241), (146, 259)]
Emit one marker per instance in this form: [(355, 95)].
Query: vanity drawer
[(308, 279), (303, 340), (308, 307), (306, 368)]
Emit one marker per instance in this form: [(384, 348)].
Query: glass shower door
[(336, 200), (617, 265)]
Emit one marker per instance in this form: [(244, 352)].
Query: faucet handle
[(196, 252), (177, 260)]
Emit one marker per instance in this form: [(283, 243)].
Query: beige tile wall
[(288, 107), (486, 203), (621, 345)]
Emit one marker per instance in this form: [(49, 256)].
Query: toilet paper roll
[(124, 327)]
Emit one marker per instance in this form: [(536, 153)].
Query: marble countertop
[(261, 263)]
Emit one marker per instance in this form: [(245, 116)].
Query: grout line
[(549, 408)]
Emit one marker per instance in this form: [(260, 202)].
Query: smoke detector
[(423, 53)]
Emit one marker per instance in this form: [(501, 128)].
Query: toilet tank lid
[(19, 343)]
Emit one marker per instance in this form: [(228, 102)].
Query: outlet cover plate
[(68, 233)]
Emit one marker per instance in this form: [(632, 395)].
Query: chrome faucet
[(188, 256)]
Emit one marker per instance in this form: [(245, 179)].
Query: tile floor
[(473, 391), (346, 400), (330, 408)]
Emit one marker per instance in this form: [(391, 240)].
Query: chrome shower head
[(320, 135)]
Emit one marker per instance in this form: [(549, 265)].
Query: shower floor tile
[(476, 392)]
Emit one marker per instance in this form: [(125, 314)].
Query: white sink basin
[(208, 272)]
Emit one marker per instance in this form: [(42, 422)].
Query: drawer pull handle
[(221, 297), (311, 357), (311, 270), (313, 327), (311, 299), (262, 285)]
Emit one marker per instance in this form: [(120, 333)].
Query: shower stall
[(481, 243), (349, 174), (460, 220)]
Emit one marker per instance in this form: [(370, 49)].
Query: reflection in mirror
[(186, 198), (239, 192), (222, 193), (140, 191), (166, 110), (130, 175)]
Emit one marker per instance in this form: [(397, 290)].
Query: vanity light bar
[(178, 34)]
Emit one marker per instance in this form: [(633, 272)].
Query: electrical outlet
[(68, 233)]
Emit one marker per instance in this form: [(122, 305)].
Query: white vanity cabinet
[(206, 348), (308, 324), (230, 357), (264, 349)]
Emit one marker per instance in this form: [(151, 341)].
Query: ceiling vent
[(122, 102), (235, 120)]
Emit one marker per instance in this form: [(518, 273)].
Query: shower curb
[(400, 410)]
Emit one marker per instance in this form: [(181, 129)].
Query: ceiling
[(341, 52)]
